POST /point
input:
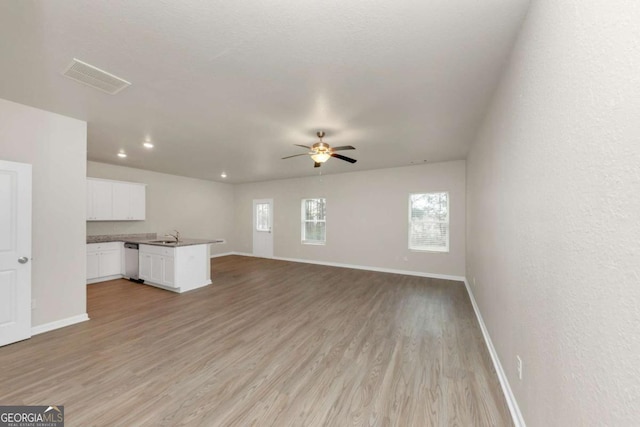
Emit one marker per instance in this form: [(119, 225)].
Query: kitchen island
[(175, 266)]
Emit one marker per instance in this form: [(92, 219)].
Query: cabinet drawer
[(107, 246), (157, 250)]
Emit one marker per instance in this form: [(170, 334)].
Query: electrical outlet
[(33, 304), (519, 366)]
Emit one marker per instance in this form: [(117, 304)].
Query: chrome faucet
[(175, 236)]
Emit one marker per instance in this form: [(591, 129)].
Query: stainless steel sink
[(164, 242)]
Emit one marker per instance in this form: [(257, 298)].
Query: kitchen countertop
[(182, 242), (104, 238), (148, 239)]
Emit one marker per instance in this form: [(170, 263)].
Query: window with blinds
[(314, 221), (429, 222)]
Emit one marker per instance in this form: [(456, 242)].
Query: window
[(429, 222), (314, 221), (263, 222)]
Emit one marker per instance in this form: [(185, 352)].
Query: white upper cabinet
[(121, 200), (138, 201), (128, 201), (99, 200), (115, 200)]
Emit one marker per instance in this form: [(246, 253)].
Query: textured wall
[(197, 208), (367, 217), (56, 147), (553, 195)]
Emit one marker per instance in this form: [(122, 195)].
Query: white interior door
[(15, 252), (263, 228)]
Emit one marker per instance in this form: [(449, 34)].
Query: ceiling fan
[(320, 152)]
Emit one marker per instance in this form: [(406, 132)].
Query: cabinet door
[(102, 200), (110, 263), (93, 265), (144, 261), (156, 269), (138, 202), (89, 200), (121, 201), (169, 271)]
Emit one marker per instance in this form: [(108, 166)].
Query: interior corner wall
[(195, 207), (553, 203), (56, 147), (367, 217)]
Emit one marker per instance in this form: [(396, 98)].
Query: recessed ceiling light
[(122, 155), (223, 174), (148, 145)]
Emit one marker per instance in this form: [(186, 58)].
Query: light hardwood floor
[(270, 343)]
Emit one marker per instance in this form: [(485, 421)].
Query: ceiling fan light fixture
[(320, 152), (320, 157)]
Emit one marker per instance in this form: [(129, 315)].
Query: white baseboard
[(243, 254), (223, 254), (516, 415), (40, 329), (104, 279), (364, 267)]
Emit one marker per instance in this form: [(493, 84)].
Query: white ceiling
[(231, 85)]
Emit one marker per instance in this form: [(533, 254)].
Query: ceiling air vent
[(94, 77)]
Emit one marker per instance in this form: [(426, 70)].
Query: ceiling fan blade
[(303, 146), (343, 147), (345, 158), (295, 155), (317, 165)]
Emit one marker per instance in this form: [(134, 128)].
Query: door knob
[(23, 260)]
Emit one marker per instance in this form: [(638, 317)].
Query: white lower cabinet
[(157, 268), (178, 269), (157, 265), (93, 265), (110, 262), (169, 271), (144, 265), (104, 261)]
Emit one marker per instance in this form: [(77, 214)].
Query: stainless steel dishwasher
[(131, 267)]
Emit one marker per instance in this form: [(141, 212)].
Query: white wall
[(196, 208), (367, 217), (56, 146), (553, 227)]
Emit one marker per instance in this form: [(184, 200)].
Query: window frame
[(304, 221), (430, 249)]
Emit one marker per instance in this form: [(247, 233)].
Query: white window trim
[(433, 249), (303, 221)]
